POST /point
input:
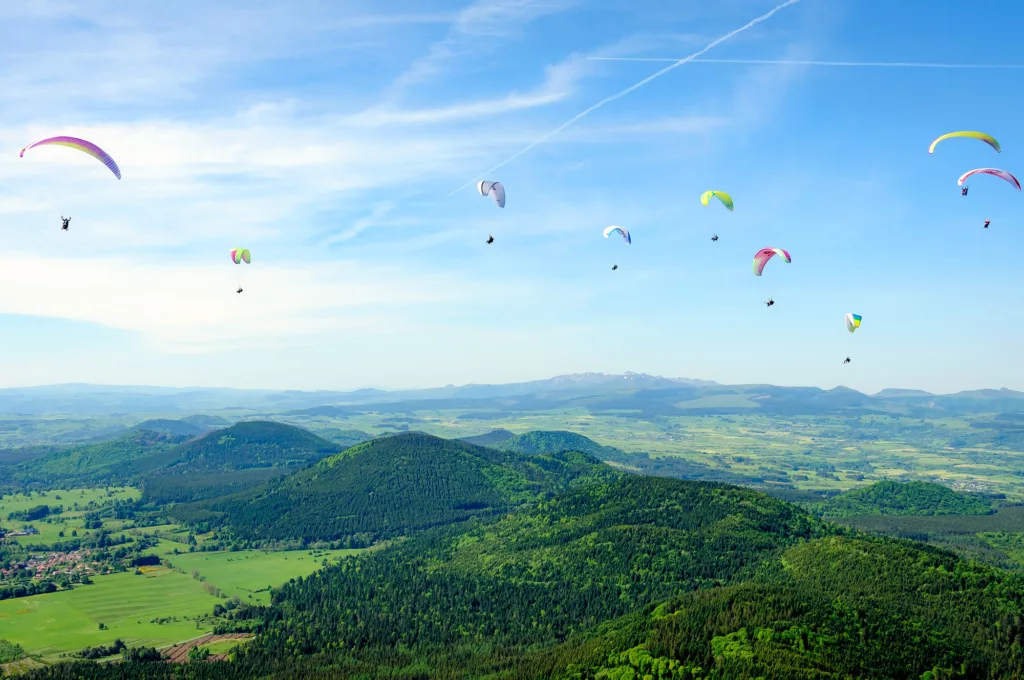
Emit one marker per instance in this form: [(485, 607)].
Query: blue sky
[(328, 138)]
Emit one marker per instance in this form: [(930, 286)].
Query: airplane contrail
[(676, 63), (800, 62)]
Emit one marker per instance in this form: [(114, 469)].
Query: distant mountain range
[(635, 394)]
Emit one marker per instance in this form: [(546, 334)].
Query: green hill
[(489, 438), (390, 486), (628, 579), (659, 578), (99, 463), (899, 498), (344, 438), (176, 427), (239, 457), (548, 441)]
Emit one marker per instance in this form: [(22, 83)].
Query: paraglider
[(82, 145), (238, 256), (988, 139), (494, 189), (623, 232), (66, 222), (996, 172), (714, 238), (769, 303), (847, 360), (614, 267), (725, 198), (852, 322), (490, 239), (765, 254), (987, 222)]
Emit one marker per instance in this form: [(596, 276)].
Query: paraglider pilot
[(614, 267), (847, 360), (239, 290), (66, 221), (490, 239), (963, 192), (715, 237), (987, 222), (770, 302)]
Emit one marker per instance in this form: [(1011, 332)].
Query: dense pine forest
[(628, 577)]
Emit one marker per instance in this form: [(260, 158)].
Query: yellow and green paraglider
[(722, 196), (240, 256), (970, 134)]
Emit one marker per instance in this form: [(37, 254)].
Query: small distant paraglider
[(987, 222), (238, 256), (995, 172), (490, 239), (66, 222), (852, 322), (493, 189), (714, 238), (847, 360), (614, 267), (82, 145), (722, 196), (988, 139), (765, 254), (769, 303), (622, 231)]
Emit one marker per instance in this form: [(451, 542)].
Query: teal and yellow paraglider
[(725, 198)]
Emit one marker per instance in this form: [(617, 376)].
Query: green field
[(67, 621), (240, 574), (68, 521)]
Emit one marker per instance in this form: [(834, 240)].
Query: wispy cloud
[(632, 88), (477, 29)]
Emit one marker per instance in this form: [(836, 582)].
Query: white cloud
[(195, 305)]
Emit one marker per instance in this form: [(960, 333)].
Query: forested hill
[(633, 578), (99, 463), (551, 441), (904, 498), (230, 460), (390, 486)]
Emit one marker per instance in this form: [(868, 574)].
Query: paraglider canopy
[(765, 254), (971, 134), (852, 322), (82, 145), (1001, 174), (240, 255), (625, 234), (725, 198), (494, 189)]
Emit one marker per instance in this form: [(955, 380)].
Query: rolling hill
[(225, 461), (391, 486), (904, 498)]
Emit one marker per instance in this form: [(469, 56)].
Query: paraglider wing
[(625, 234), (82, 145), (765, 254), (494, 189), (852, 322), (725, 198), (1001, 174), (988, 139), (240, 255)]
